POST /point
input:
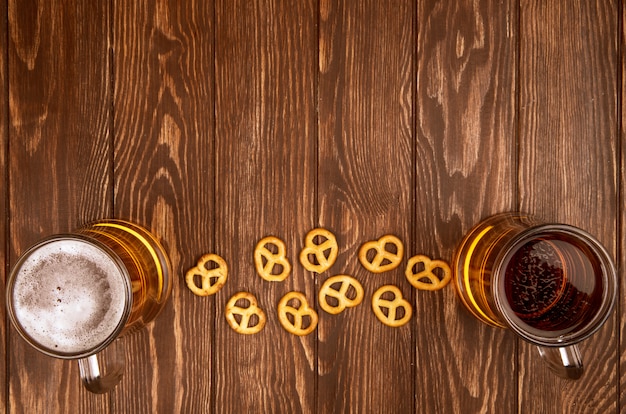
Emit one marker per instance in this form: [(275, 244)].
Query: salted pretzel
[(325, 252), (426, 279), (341, 300), (212, 271), (384, 259), (242, 319), (393, 317), (273, 267), (294, 318)]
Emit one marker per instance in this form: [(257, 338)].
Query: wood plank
[(266, 161), (59, 116), (621, 307), (266, 164), (465, 171), (164, 123), (366, 52), (4, 176), (568, 168)]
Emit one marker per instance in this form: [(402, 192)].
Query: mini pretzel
[(245, 324), (299, 315), (267, 262), (425, 279), (392, 306), (324, 260), (384, 259), (341, 294), (212, 279)]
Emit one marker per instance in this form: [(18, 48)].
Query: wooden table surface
[(218, 122)]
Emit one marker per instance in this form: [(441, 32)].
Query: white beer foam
[(69, 296)]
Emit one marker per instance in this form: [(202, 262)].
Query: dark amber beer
[(71, 295), (552, 284)]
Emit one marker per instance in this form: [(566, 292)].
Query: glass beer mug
[(552, 284), (70, 296)]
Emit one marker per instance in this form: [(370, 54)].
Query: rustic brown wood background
[(218, 122)]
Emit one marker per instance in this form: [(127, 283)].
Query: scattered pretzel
[(267, 262), (393, 317), (299, 315), (340, 295), (246, 324), (324, 260), (384, 260), (425, 279), (212, 278)]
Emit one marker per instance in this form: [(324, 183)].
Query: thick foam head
[(68, 296)]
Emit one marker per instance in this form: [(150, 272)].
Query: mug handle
[(565, 361), (91, 374)]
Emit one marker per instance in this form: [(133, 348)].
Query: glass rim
[(84, 352), (609, 289)]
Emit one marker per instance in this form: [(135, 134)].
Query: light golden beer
[(145, 260), (474, 262), (70, 295)]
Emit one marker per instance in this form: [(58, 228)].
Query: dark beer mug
[(70, 296), (554, 285)]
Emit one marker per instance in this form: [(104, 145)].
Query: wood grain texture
[(266, 163), (4, 176), (568, 168), (620, 308), (164, 173), (365, 191), (465, 171), (59, 163), (216, 123)]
